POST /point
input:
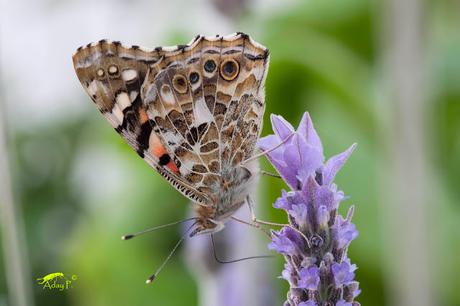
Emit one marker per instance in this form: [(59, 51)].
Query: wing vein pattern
[(192, 112)]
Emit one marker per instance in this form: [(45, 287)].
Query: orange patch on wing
[(172, 166), (143, 115), (157, 149)]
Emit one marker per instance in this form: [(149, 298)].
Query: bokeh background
[(384, 74)]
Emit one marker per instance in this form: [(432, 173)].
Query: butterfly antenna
[(154, 275), (234, 260), (268, 151), (130, 236)]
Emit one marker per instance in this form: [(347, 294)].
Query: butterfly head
[(206, 222)]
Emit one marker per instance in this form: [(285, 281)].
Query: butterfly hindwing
[(240, 93)]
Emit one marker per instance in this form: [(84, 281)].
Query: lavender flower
[(308, 303), (343, 273), (317, 268), (309, 278)]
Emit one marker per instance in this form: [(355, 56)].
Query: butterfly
[(192, 112)]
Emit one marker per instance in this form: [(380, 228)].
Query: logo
[(56, 281)]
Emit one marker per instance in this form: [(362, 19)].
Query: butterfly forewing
[(190, 111), (113, 76)]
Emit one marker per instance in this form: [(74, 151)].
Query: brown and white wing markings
[(112, 75), (188, 110), (238, 100), (168, 97), (251, 105), (206, 101), (242, 94)]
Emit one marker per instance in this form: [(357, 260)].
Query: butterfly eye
[(194, 77), (180, 83), (229, 69), (209, 66)]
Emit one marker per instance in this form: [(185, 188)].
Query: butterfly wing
[(190, 111), (207, 101), (240, 98), (112, 75)]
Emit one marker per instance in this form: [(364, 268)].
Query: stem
[(14, 247)]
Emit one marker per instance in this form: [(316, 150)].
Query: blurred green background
[(78, 187)]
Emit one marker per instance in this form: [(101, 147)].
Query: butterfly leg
[(261, 222), (270, 174), (255, 225), (254, 218)]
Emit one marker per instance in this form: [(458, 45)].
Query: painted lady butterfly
[(193, 112)]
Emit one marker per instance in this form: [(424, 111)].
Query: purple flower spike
[(300, 154), (308, 303), (345, 231), (300, 214), (282, 201), (343, 303), (344, 273), (289, 275), (286, 241), (334, 164), (307, 131), (315, 266), (309, 278), (323, 216)]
